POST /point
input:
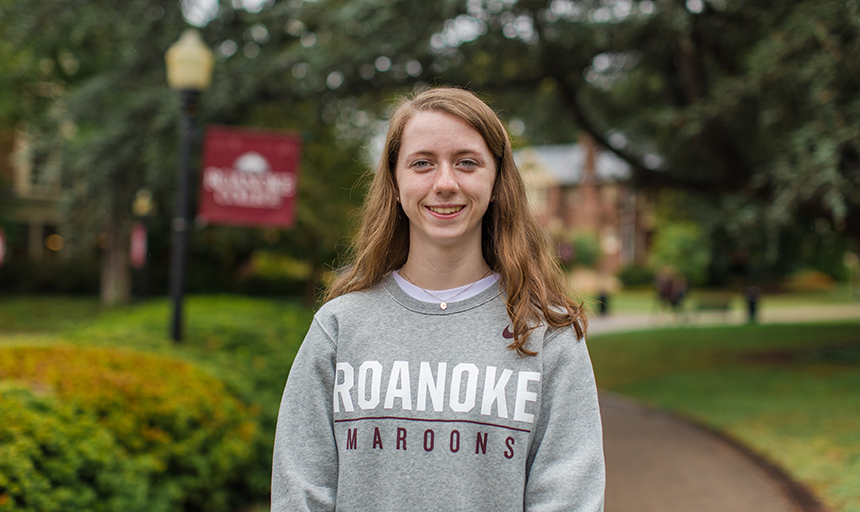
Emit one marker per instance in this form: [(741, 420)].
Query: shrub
[(578, 249), (809, 280), (586, 249), (248, 343), (55, 457), (682, 246), (73, 276), (636, 275), (198, 437)]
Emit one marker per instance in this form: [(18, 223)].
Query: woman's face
[(445, 175)]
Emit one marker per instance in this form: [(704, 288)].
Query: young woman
[(448, 369)]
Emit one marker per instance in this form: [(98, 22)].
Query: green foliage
[(89, 84), (54, 456), (751, 106), (45, 313), (636, 275), (66, 276), (197, 436), (248, 343), (586, 249), (809, 280), (578, 249), (682, 248)]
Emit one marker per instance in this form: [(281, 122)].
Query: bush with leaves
[(53, 456), (198, 437), (636, 275), (681, 247), (248, 343)]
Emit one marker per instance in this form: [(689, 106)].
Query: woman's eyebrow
[(421, 152), (428, 152)]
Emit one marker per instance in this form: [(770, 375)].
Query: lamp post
[(189, 71)]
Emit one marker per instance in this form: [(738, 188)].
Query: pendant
[(443, 305)]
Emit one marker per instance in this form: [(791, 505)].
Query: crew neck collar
[(432, 308)]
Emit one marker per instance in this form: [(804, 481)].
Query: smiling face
[(445, 175)]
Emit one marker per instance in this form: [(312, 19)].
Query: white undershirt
[(418, 293)]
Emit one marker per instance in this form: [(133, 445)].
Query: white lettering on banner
[(460, 400), (230, 187)]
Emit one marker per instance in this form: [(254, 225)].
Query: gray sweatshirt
[(395, 404)]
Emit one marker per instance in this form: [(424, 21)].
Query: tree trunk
[(115, 272)]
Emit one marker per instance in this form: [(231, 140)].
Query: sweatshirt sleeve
[(566, 467), (305, 460)]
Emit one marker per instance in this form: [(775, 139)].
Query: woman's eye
[(469, 164), (421, 164)]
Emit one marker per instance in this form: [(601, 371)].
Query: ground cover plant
[(247, 343), (32, 314), (165, 415), (54, 456), (790, 392)]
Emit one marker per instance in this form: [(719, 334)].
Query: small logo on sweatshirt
[(507, 334)]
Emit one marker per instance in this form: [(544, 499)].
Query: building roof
[(564, 163)]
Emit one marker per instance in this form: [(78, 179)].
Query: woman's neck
[(442, 270)]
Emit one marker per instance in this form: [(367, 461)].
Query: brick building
[(579, 188), (29, 196)]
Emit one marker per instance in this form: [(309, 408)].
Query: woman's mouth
[(445, 210)]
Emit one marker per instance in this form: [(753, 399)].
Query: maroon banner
[(249, 178), (138, 248)]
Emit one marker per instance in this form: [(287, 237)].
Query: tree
[(681, 248), (92, 84), (90, 79), (752, 106)]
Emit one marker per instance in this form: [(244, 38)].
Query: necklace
[(443, 303)]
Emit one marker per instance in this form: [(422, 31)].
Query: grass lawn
[(791, 392), (45, 313)]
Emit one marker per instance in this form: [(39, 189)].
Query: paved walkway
[(657, 462), (617, 323)]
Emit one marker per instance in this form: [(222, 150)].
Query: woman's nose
[(445, 179)]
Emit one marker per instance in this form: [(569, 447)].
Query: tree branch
[(642, 175)]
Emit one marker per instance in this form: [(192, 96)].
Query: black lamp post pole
[(180, 222)]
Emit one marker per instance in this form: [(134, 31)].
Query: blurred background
[(687, 158)]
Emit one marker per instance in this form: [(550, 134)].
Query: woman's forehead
[(426, 130)]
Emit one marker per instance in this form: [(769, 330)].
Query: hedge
[(197, 437), (54, 456)]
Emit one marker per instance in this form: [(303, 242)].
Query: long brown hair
[(513, 243)]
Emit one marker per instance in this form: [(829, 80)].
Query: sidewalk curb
[(801, 497)]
